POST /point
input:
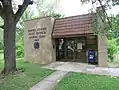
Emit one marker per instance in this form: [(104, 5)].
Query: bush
[(112, 49), (19, 50), (1, 46), (1, 51)]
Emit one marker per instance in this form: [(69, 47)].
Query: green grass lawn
[(77, 81), (23, 80)]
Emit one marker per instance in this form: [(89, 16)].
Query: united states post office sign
[(37, 33)]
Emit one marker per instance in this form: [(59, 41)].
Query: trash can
[(91, 56)]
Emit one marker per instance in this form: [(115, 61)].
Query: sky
[(74, 7)]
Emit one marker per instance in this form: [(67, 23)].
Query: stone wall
[(102, 39), (102, 51), (39, 30)]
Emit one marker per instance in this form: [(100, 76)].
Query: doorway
[(71, 49)]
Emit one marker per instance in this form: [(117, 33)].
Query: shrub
[(19, 50), (1, 46), (112, 49)]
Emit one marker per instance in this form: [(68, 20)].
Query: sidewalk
[(83, 68), (49, 82)]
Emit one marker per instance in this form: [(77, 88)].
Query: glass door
[(70, 49)]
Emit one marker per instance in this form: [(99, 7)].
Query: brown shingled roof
[(72, 26)]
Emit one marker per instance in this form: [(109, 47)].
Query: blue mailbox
[(91, 56)]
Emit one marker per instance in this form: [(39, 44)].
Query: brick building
[(66, 39)]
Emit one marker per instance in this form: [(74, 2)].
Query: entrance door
[(71, 49), (80, 49)]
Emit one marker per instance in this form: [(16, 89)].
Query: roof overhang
[(73, 26)]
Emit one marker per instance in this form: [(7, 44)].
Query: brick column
[(102, 51), (102, 39)]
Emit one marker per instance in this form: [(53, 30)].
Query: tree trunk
[(9, 43)]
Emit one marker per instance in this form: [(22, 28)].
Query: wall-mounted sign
[(37, 33), (79, 45)]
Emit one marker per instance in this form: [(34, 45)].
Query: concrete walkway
[(83, 67), (49, 82)]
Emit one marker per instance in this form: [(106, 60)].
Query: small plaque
[(36, 45)]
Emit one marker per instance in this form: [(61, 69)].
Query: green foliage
[(112, 49), (48, 8), (20, 29), (43, 8), (115, 26), (1, 45), (113, 39), (20, 33), (32, 74), (28, 14), (116, 58), (78, 81), (113, 2), (20, 50), (55, 15), (1, 55)]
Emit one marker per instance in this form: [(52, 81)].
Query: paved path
[(83, 67), (49, 82)]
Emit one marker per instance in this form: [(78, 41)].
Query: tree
[(104, 4), (10, 20), (105, 24), (110, 22), (46, 8), (28, 14), (114, 2)]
